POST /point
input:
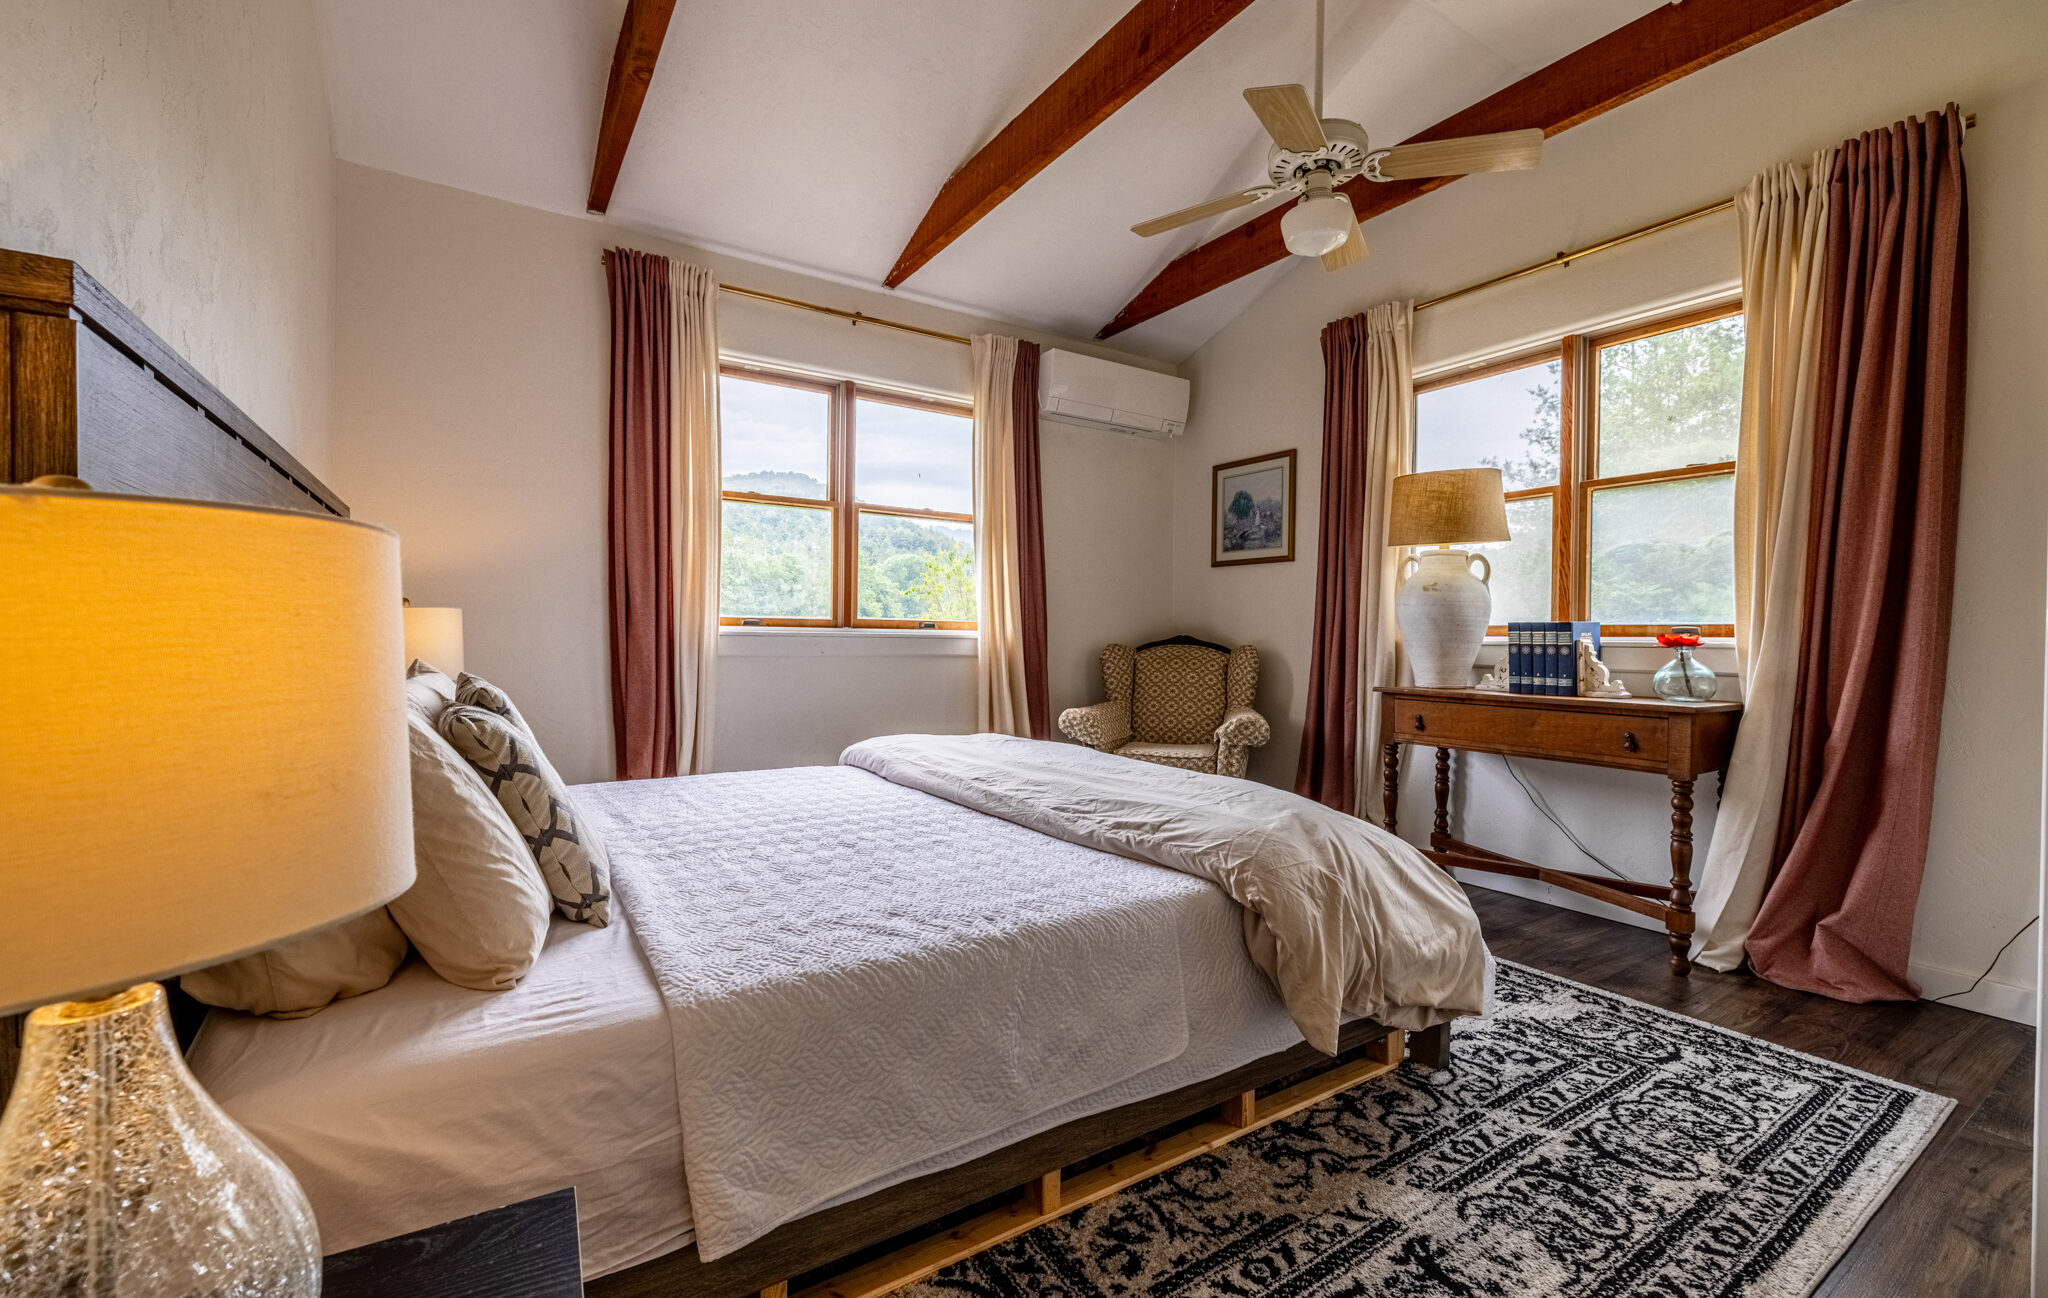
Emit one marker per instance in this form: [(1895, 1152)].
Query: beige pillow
[(478, 912), (427, 690), (304, 975), (565, 845)]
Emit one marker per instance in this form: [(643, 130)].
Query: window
[(844, 505), (1617, 452)]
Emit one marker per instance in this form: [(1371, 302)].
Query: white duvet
[(1345, 918)]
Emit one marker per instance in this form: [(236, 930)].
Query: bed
[(837, 1004)]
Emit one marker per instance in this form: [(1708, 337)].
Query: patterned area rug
[(1582, 1145)]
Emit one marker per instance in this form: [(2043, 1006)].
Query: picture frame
[(1251, 511)]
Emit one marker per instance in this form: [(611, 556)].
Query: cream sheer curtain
[(694, 505), (1783, 222), (1000, 702), (1390, 445)]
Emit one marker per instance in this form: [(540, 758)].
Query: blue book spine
[(1582, 629), (1518, 677), (1552, 634), (1566, 656)]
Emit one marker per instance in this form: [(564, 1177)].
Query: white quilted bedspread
[(827, 944)]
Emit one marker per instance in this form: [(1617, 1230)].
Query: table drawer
[(1603, 738)]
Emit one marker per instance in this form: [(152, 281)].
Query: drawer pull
[(1418, 723), (1628, 741)]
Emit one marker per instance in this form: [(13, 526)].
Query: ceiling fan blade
[(1189, 215), (1507, 151), (1348, 253), (1288, 116)]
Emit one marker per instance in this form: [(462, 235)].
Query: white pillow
[(478, 912), (304, 975)]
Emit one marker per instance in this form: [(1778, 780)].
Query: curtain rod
[(854, 317), (1567, 258)]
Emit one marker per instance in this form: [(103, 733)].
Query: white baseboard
[(1993, 996)]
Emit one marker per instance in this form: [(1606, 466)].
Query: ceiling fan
[(1312, 155)]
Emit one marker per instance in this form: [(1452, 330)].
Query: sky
[(1459, 426), (916, 459)]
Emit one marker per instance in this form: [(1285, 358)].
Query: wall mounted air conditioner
[(1078, 389)]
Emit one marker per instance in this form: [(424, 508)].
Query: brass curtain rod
[(854, 317), (1567, 258)]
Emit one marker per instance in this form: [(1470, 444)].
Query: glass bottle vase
[(120, 1177), (1684, 681)]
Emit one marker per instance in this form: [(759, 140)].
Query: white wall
[(471, 395), (1258, 388), (180, 154)]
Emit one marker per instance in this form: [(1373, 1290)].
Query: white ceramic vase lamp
[(1444, 607), (202, 754)]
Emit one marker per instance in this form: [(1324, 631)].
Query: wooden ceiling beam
[(640, 37), (1655, 50), (1144, 43)]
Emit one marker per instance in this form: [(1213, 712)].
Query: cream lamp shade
[(434, 637), (202, 734), (1448, 507)]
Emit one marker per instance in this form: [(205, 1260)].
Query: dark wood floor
[(1958, 1222)]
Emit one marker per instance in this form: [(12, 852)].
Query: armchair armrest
[(1103, 725), (1243, 728)]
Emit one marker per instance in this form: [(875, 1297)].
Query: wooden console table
[(1680, 741)]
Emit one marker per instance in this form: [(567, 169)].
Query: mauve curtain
[(641, 593), (1782, 221), (1030, 537), (1838, 917), (1368, 432)]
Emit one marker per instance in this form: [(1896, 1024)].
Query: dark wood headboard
[(88, 390)]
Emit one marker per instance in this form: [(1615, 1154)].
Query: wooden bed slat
[(1241, 1113)]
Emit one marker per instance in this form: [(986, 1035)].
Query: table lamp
[(1444, 608), (202, 754), (434, 637)]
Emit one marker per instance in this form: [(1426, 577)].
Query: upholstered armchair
[(1180, 702)]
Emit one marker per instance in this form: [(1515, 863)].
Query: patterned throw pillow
[(480, 693), (571, 858)]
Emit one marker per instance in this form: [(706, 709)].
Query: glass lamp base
[(121, 1178)]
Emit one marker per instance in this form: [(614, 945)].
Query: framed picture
[(1253, 504)]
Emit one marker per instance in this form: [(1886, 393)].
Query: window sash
[(1571, 499), (841, 446)]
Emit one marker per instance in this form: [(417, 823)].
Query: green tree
[(1241, 505)]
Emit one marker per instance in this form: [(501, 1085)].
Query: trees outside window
[(1617, 454), (844, 505)]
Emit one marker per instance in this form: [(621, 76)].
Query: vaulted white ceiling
[(813, 134)]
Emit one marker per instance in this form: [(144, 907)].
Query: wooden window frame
[(1571, 497), (844, 511)]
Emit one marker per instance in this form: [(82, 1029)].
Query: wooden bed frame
[(87, 389)]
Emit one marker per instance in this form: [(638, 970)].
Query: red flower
[(1670, 641)]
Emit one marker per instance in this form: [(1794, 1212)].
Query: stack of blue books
[(1543, 657)]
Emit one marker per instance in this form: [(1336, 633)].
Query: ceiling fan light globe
[(1317, 224)]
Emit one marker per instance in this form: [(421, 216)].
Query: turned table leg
[(1440, 836), (1681, 874), (1390, 792)]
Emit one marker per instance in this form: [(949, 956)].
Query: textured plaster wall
[(471, 383), (1258, 388), (179, 151)]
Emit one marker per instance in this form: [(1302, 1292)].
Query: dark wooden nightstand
[(523, 1250)]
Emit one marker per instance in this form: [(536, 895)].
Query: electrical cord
[(1562, 828), (1994, 962)]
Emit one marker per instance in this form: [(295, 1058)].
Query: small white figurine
[(1497, 679), (1594, 682)]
